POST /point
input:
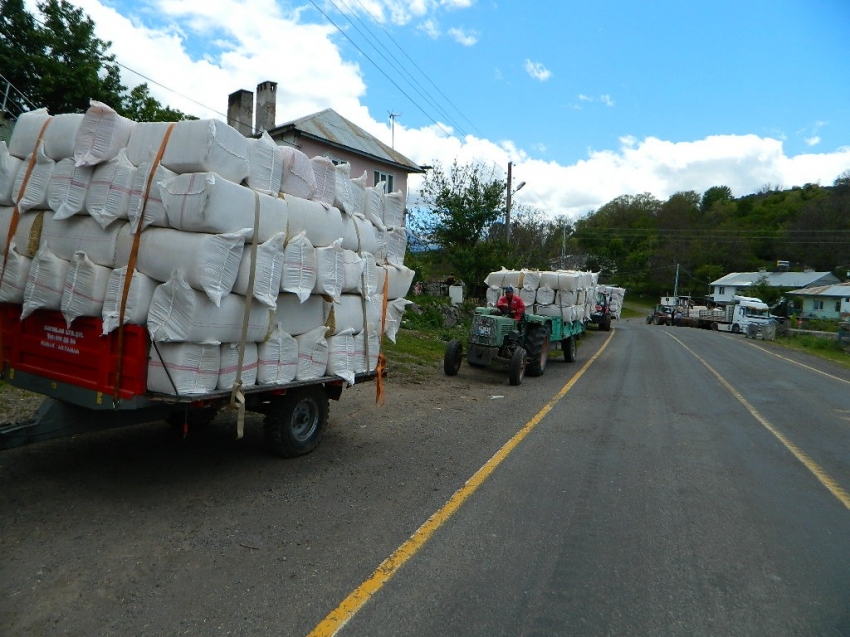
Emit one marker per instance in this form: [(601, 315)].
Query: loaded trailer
[(91, 382)]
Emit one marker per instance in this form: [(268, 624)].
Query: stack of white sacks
[(222, 218), (570, 294)]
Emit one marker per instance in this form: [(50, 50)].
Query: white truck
[(738, 315)]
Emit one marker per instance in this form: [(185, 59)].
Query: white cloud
[(464, 37), (606, 99), (537, 70), (430, 28), (812, 141)]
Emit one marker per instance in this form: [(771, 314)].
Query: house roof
[(840, 290), (778, 279), (331, 127)]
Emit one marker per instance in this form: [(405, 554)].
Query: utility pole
[(676, 285), (392, 126), (508, 206)]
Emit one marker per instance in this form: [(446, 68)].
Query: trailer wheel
[(296, 422), (452, 358), (538, 351), (516, 370), (569, 347), (715, 326)]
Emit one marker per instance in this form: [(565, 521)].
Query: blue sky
[(589, 99)]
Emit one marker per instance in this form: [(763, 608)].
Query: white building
[(723, 289)]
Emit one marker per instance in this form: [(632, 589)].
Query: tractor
[(524, 343)]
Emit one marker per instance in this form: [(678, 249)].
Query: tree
[(455, 209), (56, 62)]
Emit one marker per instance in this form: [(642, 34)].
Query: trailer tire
[(538, 351), (569, 346), (452, 357), (715, 326), (296, 422), (516, 370)]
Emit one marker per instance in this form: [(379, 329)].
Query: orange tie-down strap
[(131, 264)]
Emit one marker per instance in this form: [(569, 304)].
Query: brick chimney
[(266, 106), (240, 111)]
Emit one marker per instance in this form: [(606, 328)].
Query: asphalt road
[(673, 481)]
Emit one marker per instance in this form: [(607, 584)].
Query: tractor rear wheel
[(606, 323), (538, 350), (451, 360), (569, 346), (516, 370)]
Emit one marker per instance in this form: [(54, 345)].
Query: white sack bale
[(265, 165), (102, 134), (354, 272), (368, 346), (145, 203), (229, 365), (395, 314), (324, 172), (299, 267), (27, 129), (566, 312), (277, 358), (204, 202), (565, 297), (108, 195), (343, 198), (110, 246), (360, 235), (493, 294), (373, 208), (61, 135), (358, 194), (545, 295), (530, 279), (85, 288), (30, 189), (504, 278), (45, 282), (207, 262), (394, 209), (297, 317), (185, 368), (354, 312), (560, 280), (312, 354), (399, 280), (341, 356), (396, 239), (9, 167), (67, 188), (180, 313), (297, 177), (330, 270), (145, 141), (138, 300), (27, 234), (207, 145), (268, 270), (15, 274), (322, 225)]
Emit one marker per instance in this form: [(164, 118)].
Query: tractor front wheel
[(516, 370), (452, 358)]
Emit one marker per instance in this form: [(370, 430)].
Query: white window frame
[(387, 177)]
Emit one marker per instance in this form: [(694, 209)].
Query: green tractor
[(525, 343)]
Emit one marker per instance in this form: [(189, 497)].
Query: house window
[(817, 305), (387, 177), (334, 160), (721, 291), (838, 306)]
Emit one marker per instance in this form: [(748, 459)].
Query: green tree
[(456, 209), (56, 61)]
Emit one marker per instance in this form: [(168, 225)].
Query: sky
[(587, 99)]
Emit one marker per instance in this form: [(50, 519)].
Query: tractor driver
[(511, 305)]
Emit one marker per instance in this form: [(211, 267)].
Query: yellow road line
[(791, 360), (834, 488), (349, 607)]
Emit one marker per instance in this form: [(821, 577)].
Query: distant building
[(326, 133), (825, 301), (725, 288)]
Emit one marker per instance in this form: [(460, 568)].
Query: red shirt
[(516, 305)]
